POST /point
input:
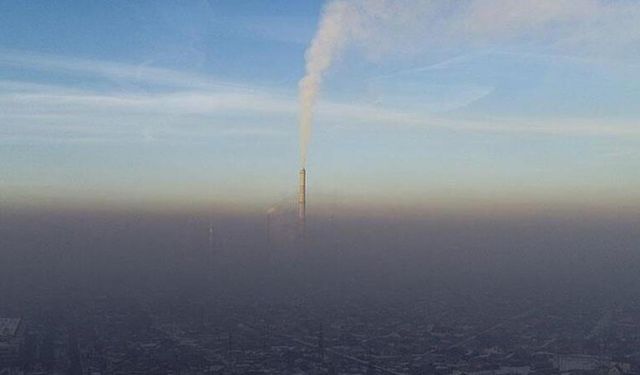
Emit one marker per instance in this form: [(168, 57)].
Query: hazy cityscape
[(445, 303)]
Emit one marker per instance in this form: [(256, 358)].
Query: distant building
[(9, 327), (11, 341)]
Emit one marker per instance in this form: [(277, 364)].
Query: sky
[(474, 103)]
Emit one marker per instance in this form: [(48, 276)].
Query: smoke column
[(417, 27), (325, 46)]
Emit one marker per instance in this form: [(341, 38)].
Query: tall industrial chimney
[(302, 198)]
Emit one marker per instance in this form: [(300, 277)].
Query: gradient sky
[(196, 103)]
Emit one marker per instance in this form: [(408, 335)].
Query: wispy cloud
[(585, 27), (195, 106), (95, 116), (109, 70)]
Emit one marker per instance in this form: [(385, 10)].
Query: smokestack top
[(302, 189), (302, 198)]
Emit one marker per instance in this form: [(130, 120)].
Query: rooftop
[(9, 326)]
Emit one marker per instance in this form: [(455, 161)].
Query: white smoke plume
[(326, 45), (409, 28)]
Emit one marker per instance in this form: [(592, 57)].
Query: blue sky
[(195, 103)]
